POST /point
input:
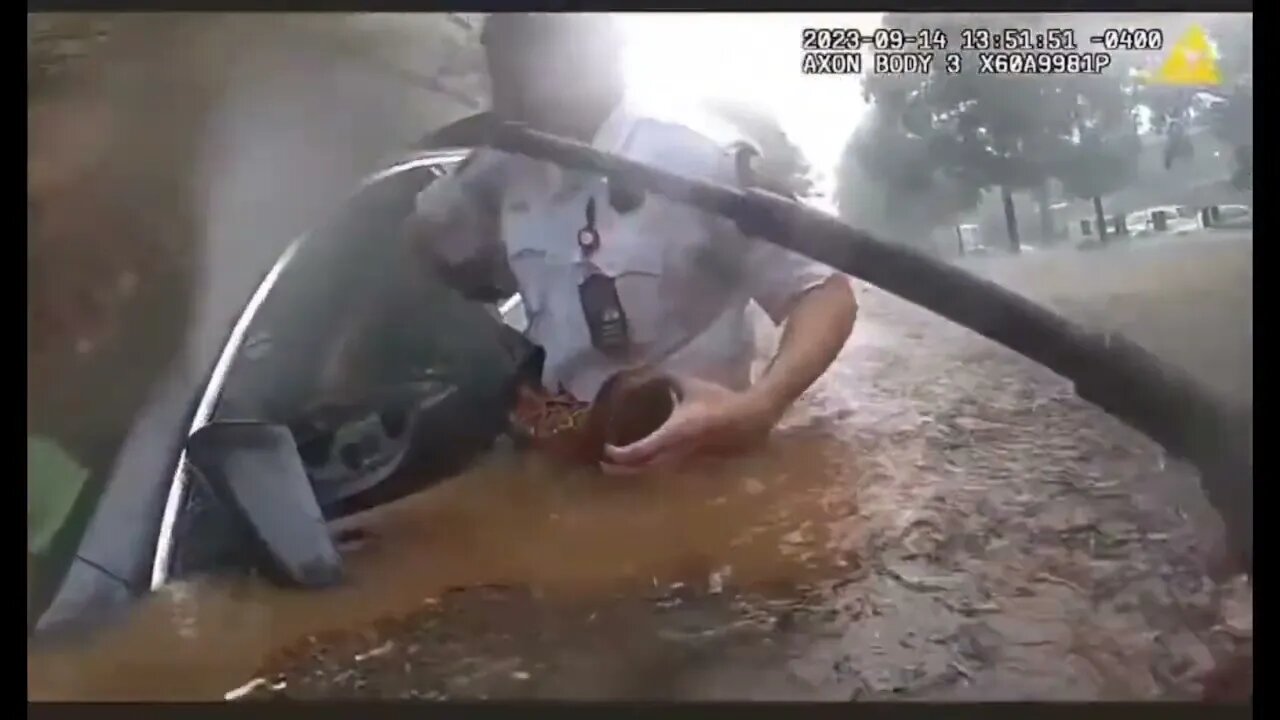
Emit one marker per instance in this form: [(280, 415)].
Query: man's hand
[(708, 418), (711, 418)]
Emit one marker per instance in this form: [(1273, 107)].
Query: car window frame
[(179, 485)]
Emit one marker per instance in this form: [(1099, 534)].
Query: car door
[(353, 283), (152, 523)]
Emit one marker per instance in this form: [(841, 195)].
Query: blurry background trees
[(782, 159), (935, 149)]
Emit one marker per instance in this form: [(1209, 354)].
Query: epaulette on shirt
[(718, 143), (702, 147)]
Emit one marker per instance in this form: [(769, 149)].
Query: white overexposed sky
[(676, 59)]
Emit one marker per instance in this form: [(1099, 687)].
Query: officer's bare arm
[(817, 327), (816, 304), (818, 322)]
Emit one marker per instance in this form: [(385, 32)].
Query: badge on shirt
[(598, 293)]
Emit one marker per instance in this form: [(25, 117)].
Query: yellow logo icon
[(1191, 62)]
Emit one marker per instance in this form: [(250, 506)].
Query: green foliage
[(1099, 164), (782, 159), (54, 480), (887, 177), (1226, 111), (1232, 120), (941, 139)]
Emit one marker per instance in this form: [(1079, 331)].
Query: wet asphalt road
[(981, 534)]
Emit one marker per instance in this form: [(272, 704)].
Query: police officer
[(612, 279)]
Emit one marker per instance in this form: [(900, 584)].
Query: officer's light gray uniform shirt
[(684, 277)]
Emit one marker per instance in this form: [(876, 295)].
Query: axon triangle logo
[(1191, 62)]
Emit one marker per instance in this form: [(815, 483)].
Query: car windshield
[(232, 224)]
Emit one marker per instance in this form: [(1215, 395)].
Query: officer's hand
[(709, 418)]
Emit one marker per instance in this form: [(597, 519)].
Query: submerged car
[(189, 485), (244, 463)]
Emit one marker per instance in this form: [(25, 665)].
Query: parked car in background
[(1234, 216), (1178, 220)]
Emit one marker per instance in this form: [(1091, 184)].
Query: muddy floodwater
[(939, 518)]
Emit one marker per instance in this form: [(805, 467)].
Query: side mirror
[(255, 471)]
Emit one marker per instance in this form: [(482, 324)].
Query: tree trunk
[(1046, 217), (1242, 175), (1100, 218), (1010, 219)]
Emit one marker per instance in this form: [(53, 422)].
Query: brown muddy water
[(937, 518), (514, 522)]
